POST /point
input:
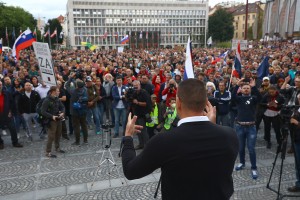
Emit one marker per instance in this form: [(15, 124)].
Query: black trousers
[(80, 121), (10, 125), (275, 121)]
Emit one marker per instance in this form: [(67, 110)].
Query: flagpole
[(232, 69), (7, 37), (49, 36)]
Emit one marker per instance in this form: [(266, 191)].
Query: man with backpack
[(53, 109), (27, 107), (78, 108)]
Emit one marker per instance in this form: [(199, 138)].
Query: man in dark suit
[(119, 105), (196, 158)]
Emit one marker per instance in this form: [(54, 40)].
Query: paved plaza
[(26, 174)]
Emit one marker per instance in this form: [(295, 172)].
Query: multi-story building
[(148, 23), (255, 11), (282, 19)]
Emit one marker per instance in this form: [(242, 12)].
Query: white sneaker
[(4, 132), (254, 174)]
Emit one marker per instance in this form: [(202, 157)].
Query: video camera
[(78, 72), (287, 111), (130, 93)]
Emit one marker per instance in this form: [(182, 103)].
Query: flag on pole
[(6, 34), (222, 56), (0, 46), (263, 69), (54, 33), (237, 67), (23, 41), (125, 39), (89, 45), (209, 41), (13, 34), (141, 34), (188, 72)]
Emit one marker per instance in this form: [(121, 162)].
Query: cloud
[(41, 8)]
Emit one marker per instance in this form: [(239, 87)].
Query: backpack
[(80, 107), (40, 118)]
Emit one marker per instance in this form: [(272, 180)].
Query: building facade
[(239, 14), (157, 23), (282, 19)]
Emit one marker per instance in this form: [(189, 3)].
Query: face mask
[(173, 105)]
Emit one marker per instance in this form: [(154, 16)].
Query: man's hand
[(54, 118), (252, 82), (239, 83), (9, 114), (90, 104), (287, 79), (210, 112), (61, 115), (131, 128), (135, 101), (294, 121)]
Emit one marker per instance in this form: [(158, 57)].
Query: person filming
[(196, 158)]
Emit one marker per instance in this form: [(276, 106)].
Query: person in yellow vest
[(156, 116), (170, 116)]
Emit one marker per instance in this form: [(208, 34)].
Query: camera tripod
[(281, 149), (107, 157)]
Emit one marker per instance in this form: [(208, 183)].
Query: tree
[(54, 25), (220, 25), (14, 18)]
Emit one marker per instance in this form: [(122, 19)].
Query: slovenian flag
[(188, 72), (222, 56), (125, 39), (23, 41), (237, 67), (0, 46)]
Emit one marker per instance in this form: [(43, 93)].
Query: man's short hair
[(192, 94)]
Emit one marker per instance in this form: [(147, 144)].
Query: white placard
[(43, 55), (244, 44), (120, 49), (250, 46)]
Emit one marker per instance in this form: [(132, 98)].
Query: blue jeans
[(297, 162), (95, 113), (119, 112), (223, 120), (247, 134), (100, 112)]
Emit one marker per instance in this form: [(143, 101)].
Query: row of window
[(98, 12), (244, 17), (138, 21), (237, 25), (95, 32)]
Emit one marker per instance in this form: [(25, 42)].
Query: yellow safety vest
[(154, 117), (169, 120)]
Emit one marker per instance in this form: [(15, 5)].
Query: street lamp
[(246, 22)]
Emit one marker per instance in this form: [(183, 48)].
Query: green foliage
[(250, 33), (224, 44), (54, 24), (220, 26), (14, 17)]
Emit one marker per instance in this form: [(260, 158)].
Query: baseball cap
[(88, 79), (266, 78)]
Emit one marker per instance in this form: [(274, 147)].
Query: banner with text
[(43, 55), (244, 44)]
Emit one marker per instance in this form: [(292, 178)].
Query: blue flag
[(263, 69)]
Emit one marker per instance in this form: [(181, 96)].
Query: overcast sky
[(53, 8)]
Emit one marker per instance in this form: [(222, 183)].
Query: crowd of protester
[(145, 82)]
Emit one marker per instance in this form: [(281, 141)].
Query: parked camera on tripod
[(107, 125), (287, 111)]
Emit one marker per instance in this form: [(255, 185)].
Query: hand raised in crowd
[(135, 101), (131, 128), (287, 79), (210, 112), (240, 81), (252, 82)]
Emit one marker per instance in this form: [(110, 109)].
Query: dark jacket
[(246, 105), (28, 105), (267, 98), (116, 96), (194, 147), (76, 94), (9, 106), (52, 106), (223, 101), (93, 95), (102, 95)]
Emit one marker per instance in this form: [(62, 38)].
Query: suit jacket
[(116, 96), (196, 160)]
